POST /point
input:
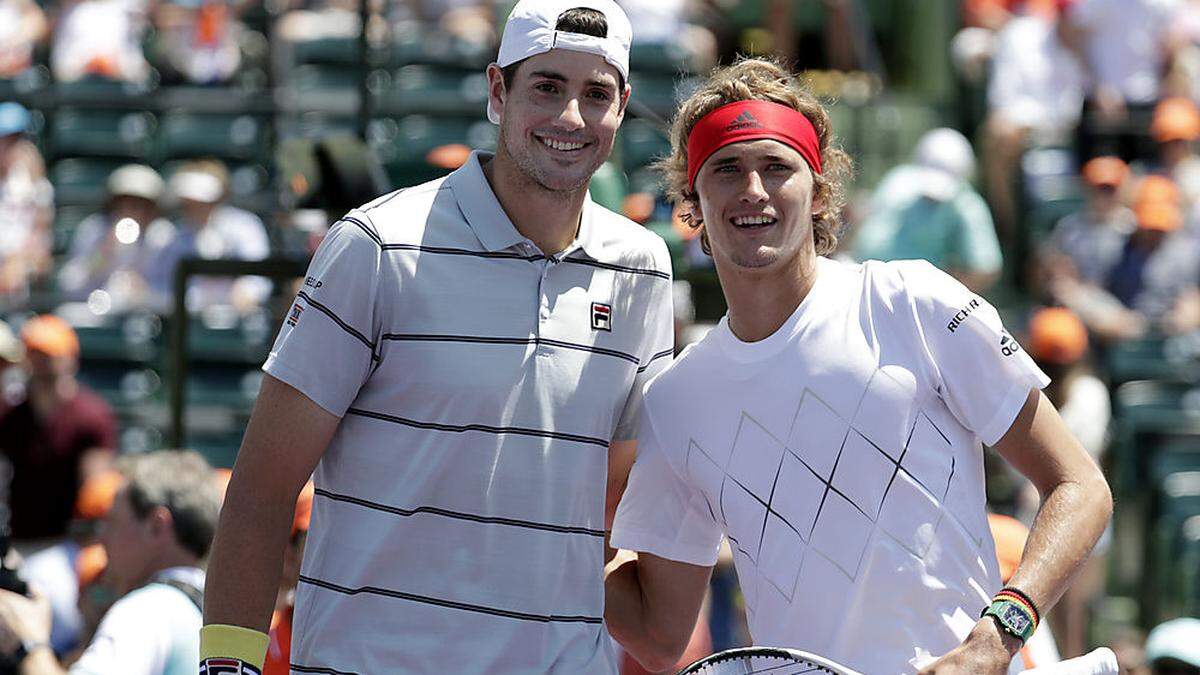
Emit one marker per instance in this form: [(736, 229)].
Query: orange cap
[(449, 156), (97, 493), (1158, 216), (1157, 189), (50, 335), (1175, 119), (221, 478), (90, 564), (1057, 336), (1105, 171), (1009, 535), (303, 509)]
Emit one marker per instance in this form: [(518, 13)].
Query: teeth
[(560, 145), (753, 220)]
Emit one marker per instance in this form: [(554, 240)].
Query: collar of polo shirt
[(488, 220)]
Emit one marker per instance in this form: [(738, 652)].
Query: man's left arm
[(1075, 509)]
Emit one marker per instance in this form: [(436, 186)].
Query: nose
[(753, 190), (571, 118)]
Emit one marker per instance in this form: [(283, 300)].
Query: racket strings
[(756, 665)]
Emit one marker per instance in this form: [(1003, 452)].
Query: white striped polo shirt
[(458, 524)]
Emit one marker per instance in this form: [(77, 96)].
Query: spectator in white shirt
[(22, 25), (99, 38), (1034, 95)]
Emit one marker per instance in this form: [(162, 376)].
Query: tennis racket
[(779, 661), (769, 660)]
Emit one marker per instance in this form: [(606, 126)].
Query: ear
[(624, 101), (161, 523), (496, 91)]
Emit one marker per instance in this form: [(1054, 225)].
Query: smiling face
[(756, 199), (559, 117)]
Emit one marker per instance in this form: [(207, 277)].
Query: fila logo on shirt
[(744, 121), (227, 667), (1008, 344), (601, 317)]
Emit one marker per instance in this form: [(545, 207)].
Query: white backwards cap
[(530, 31)]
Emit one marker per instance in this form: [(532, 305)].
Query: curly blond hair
[(765, 80)]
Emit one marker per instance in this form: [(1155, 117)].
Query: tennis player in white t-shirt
[(831, 426)]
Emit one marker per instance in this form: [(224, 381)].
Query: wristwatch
[(1012, 617)]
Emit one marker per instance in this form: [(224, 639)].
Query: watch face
[(1014, 618)]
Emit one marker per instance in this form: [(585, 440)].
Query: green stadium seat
[(326, 85), (229, 136), (641, 143), (76, 132), (669, 58), (659, 91), (66, 220), (402, 144), (102, 93), (327, 51), (428, 89), (416, 45), (81, 181)]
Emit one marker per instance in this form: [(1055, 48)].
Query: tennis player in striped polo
[(461, 367), (831, 426)]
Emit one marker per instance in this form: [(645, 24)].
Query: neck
[(46, 400), (759, 301), (548, 218)]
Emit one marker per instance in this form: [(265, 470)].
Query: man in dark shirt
[(57, 436)]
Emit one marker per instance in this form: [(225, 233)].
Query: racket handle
[(1100, 661)]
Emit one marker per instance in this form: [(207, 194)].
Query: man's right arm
[(285, 438), (651, 605)]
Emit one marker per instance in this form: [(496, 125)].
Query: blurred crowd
[(1095, 98)]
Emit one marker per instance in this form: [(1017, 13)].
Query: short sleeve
[(657, 344), (327, 346), (982, 373), (661, 514)]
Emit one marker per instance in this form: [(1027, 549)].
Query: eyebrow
[(559, 77)]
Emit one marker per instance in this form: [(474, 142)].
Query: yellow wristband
[(220, 640)]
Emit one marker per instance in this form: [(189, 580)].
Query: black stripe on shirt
[(433, 510), (322, 670), (663, 353), (617, 268), (363, 226), (510, 255), (459, 428), (342, 324), (445, 250), (452, 604), (483, 339)]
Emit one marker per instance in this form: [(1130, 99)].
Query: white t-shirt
[(458, 524), (841, 457), (1125, 43), (1036, 82), (154, 630)]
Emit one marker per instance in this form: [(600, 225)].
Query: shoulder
[(916, 284), (147, 609), (687, 371), (625, 242), (402, 215), (90, 405)]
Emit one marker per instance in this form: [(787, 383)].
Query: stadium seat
[(415, 44), (81, 181), (641, 143), (402, 144), (428, 89), (77, 132), (326, 51), (657, 57), (659, 91), (230, 136), (66, 220), (330, 88)]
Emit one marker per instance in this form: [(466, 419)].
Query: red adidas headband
[(748, 121)]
